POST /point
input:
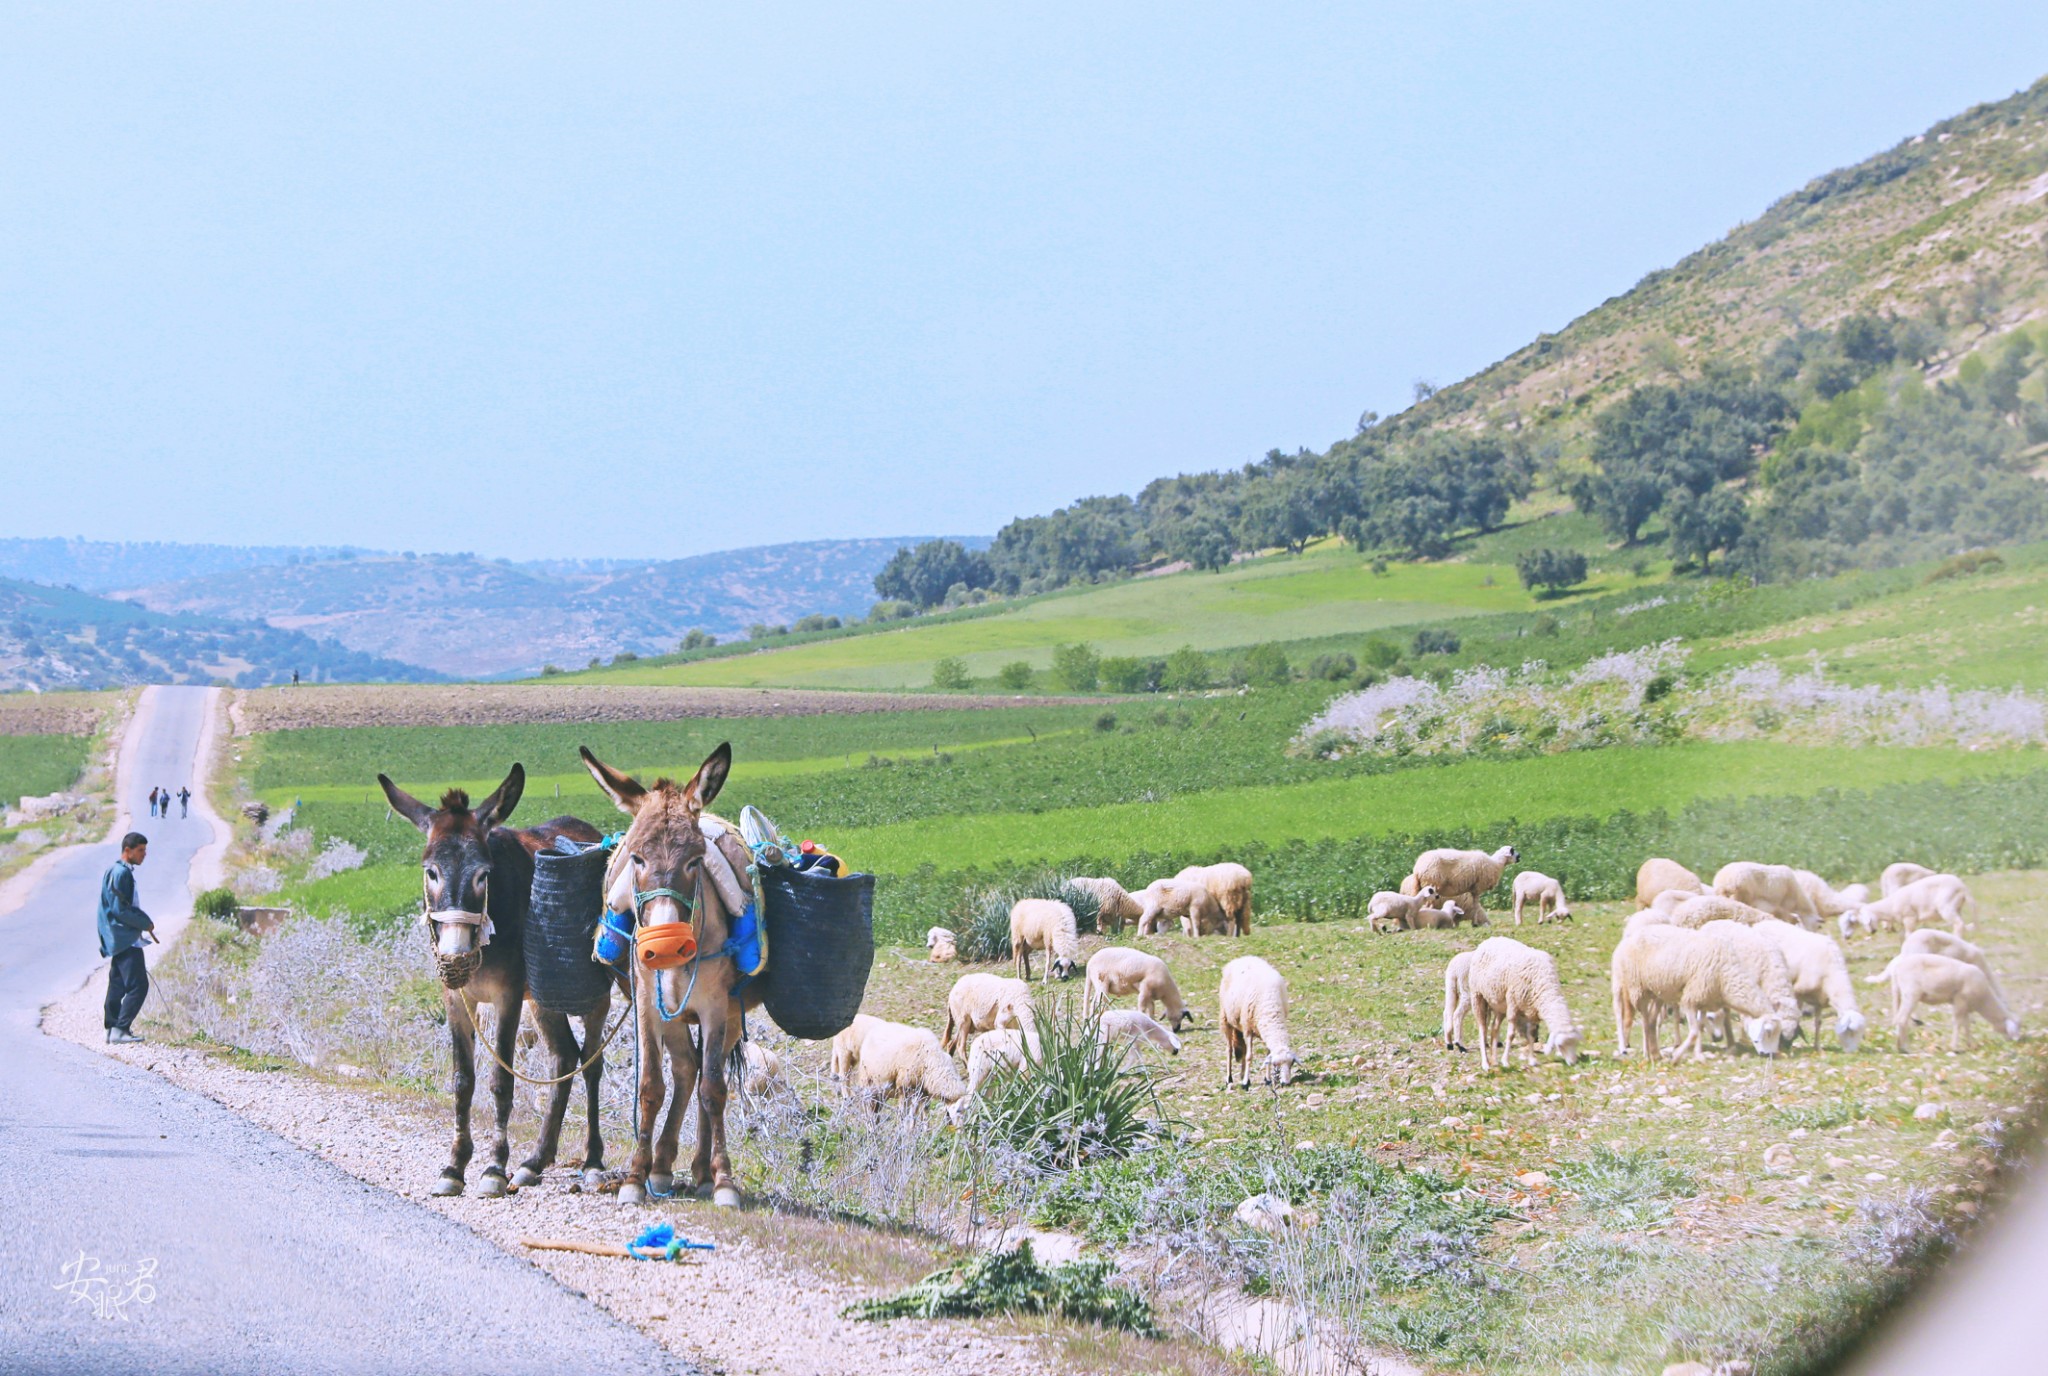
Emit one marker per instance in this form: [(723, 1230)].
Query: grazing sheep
[(1896, 877), (1130, 1026), (899, 1059), (1930, 941), (1919, 979), (1457, 999), (764, 1067), (1937, 898), (1449, 915), (1698, 909), (1251, 1002), (992, 1051), (1395, 912), (1463, 874), (1518, 986), (846, 1045), (1044, 924), (1230, 884), (983, 1002), (1767, 966), (1546, 893), (1793, 895), (1662, 876), (1114, 906), (1659, 967), (1820, 975), (1114, 971), (1190, 903), (941, 944)]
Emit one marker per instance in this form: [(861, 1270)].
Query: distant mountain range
[(64, 638), (455, 614)]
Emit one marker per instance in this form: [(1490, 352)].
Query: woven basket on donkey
[(568, 895), (821, 944)]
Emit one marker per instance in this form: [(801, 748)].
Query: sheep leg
[(1518, 910), (1487, 1027), (1959, 1039), (1903, 1003)]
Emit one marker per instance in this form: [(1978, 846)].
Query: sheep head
[(1565, 1043), (1429, 891), (1849, 1030), (1765, 1033), (1506, 855), (1063, 968), (2012, 1029), (1280, 1067)]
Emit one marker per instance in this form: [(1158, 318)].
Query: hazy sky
[(651, 279)]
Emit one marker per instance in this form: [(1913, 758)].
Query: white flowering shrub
[(336, 857)]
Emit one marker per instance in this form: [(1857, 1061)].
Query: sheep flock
[(1747, 961)]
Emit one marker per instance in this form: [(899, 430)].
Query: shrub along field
[(1628, 1204)]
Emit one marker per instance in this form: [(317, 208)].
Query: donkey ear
[(710, 776), (620, 788), (405, 805), (499, 805)]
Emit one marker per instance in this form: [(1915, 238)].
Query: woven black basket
[(821, 945), (561, 923)]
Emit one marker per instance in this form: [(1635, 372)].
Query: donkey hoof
[(593, 1176), (447, 1185), (492, 1186), (726, 1197), (661, 1183), (632, 1194), (524, 1176)]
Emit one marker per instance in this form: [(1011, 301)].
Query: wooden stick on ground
[(595, 1249)]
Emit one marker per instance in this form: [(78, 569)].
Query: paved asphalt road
[(265, 1258)]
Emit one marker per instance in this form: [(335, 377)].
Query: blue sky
[(645, 280)]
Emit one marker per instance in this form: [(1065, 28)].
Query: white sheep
[(1897, 876), (1543, 891), (846, 1044), (982, 1002), (1657, 875), (1185, 900), (1395, 912), (1919, 979), (1517, 986), (1937, 898), (1698, 909), (1931, 941), (941, 944), (1660, 967), (1133, 1028), (1457, 999), (1767, 966), (1793, 895), (1647, 917), (1113, 906), (1820, 976), (1438, 919), (1115, 971), (1002, 1049), (1230, 884), (896, 1058), (1044, 924), (1251, 1002), (1466, 876), (764, 1067)]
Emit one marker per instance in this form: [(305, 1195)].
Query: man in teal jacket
[(122, 925)]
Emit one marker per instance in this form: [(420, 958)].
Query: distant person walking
[(295, 678), (152, 802), (184, 801), (123, 928)]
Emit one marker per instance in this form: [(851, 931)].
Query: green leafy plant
[(218, 904), (1079, 1101), (949, 674), (1187, 670), (1077, 668), (1015, 1282), (1015, 676)]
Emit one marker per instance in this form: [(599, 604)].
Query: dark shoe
[(121, 1035)]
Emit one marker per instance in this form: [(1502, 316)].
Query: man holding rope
[(123, 928)]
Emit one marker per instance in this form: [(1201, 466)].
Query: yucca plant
[(1079, 1101)]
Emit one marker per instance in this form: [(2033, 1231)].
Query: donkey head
[(456, 866), (658, 865)]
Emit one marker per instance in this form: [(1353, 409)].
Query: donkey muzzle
[(666, 945)]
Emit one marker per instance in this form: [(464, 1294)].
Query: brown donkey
[(477, 874), (657, 871)]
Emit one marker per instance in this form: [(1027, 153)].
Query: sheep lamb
[(1438, 919), (1517, 987), (1458, 1003), (1132, 1028), (1897, 876), (1931, 941), (1115, 971), (1545, 893), (1659, 967), (1820, 977), (1252, 1004), (1698, 909), (846, 1044), (1767, 966), (1792, 895), (1044, 924), (1002, 1049), (1230, 884), (1937, 898), (1919, 979), (899, 1059), (1466, 876), (984, 1002), (1113, 906), (1395, 912), (941, 944), (1185, 901), (1658, 875)]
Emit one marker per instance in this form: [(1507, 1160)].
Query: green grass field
[(1328, 591), (39, 764)]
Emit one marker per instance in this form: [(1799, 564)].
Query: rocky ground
[(480, 704)]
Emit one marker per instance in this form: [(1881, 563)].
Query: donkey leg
[(683, 1062), (593, 1082), (462, 1044), (503, 1088), (711, 1097), (634, 1190), (562, 1052)]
